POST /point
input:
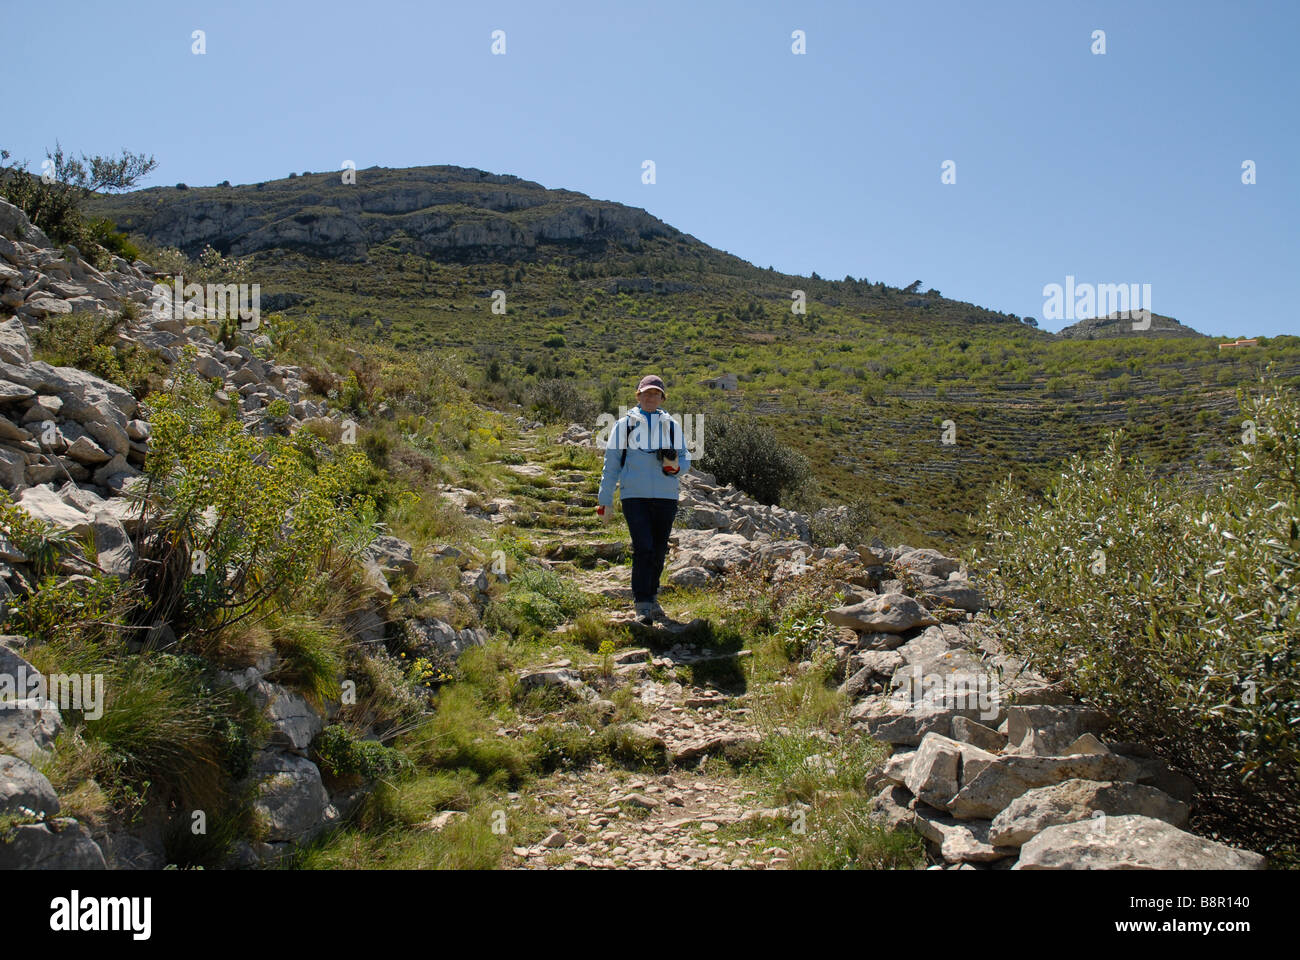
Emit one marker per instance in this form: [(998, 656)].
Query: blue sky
[(1120, 168)]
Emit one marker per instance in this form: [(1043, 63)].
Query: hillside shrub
[(342, 755), (745, 452), (89, 342), (239, 525), (559, 401), (1177, 612), (53, 202), (537, 600)]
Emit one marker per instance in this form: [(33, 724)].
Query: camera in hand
[(668, 460)]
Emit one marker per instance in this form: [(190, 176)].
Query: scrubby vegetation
[(53, 199), (1176, 610), (89, 342), (744, 452)]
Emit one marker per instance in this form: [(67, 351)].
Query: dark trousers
[(649, 521)]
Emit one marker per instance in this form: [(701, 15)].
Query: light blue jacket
[(642, 475)]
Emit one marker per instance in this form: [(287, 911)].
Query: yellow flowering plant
[(235, 521)]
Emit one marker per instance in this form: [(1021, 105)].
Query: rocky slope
[(449, 213), (72, 446)]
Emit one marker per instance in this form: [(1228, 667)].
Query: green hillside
[(597, 293)]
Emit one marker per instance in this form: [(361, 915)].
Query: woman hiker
[(645, 455)]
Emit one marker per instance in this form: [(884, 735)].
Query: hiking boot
[(656, 611), (645, 611)]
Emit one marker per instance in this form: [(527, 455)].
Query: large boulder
[(690, 576), (23, 786), (13, 469), (941, 765), (86, 451), (886, 723), (888, 613), (892, 807), (14, 223), (62, 844), (957, 593), (928, 561), (15, 670), (294, 722), (291, 800), (13, 393), (1007, 777), (958, 840), (1130, 842), (101, 407), (1043, 730), (897, 767), (940, 675), (929, 645), (715, 552), (115, 554), (1074, 800), (44, 504), (14, 345), (11, 432), (29, 727), (873, 666), (974, 732), (432, 634), (392, 555), (127, 511)]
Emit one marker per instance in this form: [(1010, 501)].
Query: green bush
[(342, 755), (1188, 635), (103, 233), (559, 401), (89, 342), (239, 525), (66, 610), (745, 452), (520, 609), (53, 203), (537, 599)]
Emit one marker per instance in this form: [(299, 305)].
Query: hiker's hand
[(603, 512), (671, 468)]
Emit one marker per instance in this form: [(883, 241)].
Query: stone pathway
[(614, 818), (605, 818)]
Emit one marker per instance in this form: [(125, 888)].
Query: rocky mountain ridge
[(1116, 327), (445, 212)]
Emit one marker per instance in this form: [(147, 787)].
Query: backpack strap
[(622, 457), (672, 438)]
